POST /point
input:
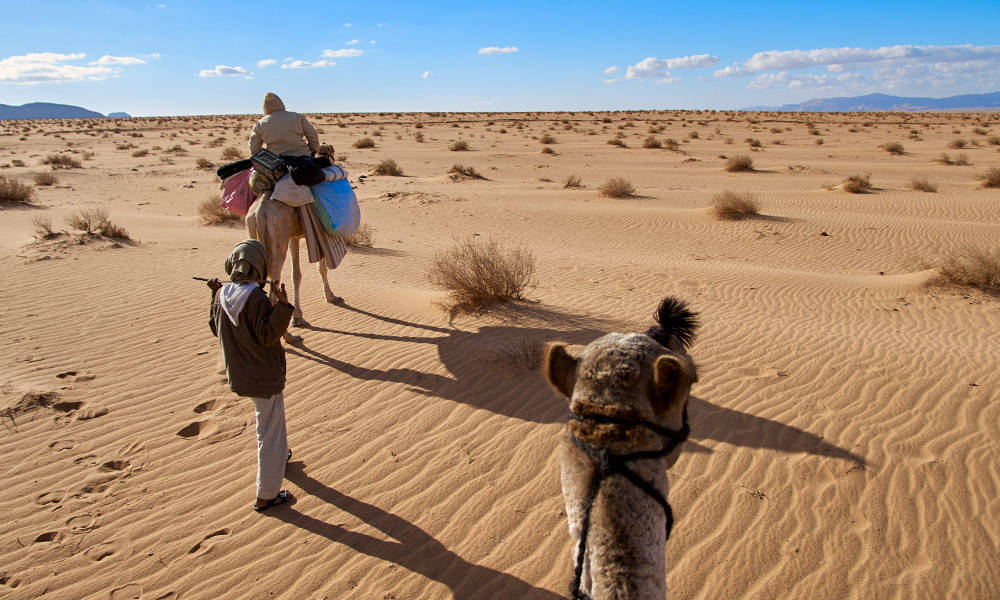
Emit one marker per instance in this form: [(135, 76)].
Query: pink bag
[(236, 194)]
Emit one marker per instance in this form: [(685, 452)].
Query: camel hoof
[(294, 340), (333, 299), (299, 322)]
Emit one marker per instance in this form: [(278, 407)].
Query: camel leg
[(278, 250), (297, 320), (323, 272)]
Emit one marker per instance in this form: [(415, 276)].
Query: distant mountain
[(119, 115), (46, 110), (877, 102)]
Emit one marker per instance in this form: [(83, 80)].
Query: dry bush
[(922, 184), (43, 228), (548, 150), (12, 191), (893, 148), (17, 162), (95, 220), (959, 160), (45, 179), (418, 137), (62, 161), (521, 356), (993, 140), (231, 153), (651, 142), (479, 273), (364, 237), (819, 142), (958, 144), (388, 167), (739, 163), (212, 213), (693, 135), (547, 139), (732, 206), (204, 164), (980, 131), (616, 187), (753, 142), (365, 142), (673, 145), (617, 142), (459, 146), (857, 184), (140, 153), (572, 182), (973, 267), (458, 171), (991, 178)]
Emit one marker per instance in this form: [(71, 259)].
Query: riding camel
[(628, 396)]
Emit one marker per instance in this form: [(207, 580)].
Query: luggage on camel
[(288, 192), (233, 168), (269, 164), (304, 170), (236, 193), (337, 207)]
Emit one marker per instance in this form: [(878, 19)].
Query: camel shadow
[(477, 377), (411, 547)]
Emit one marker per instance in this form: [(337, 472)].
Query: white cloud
[(426, 74), (50, 67), (161, 6), (342, 53), (838, 59), (347, 24), (107, 59), (304, 64), (266, 62), (372, 42), (499, 50), (614, 80), (610, 70), (225, 71), (652, 67), (352, 42)]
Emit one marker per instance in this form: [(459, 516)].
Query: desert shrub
[(857, 184), (479, 273), (979, 131), (958, 144), (17, 162), (388, 167), (418, 137), (43, 228), (96, 220), (693, 135), (671, 144), (893, 148), (365, 142), (12, 191), (922, 184), (572, 182), (62, 161), (991, 178), (458, 170), (651, 142), (177, 149), (753, 142), (364, 237), (993, 140), (819, 141), (521, 356), (203, 163), (733, 206), (547, 139), (548, 150), (125, 146), (231, 153), (140, 153), (617, 142), (212, 213), (45, 179), (739, 163), (776, 130), (973, 267), (459, 146), (959, 160), (616, 187)]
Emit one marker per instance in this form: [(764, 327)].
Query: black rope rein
[(607, 464)]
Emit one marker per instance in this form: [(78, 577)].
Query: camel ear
[(559, 368), (672, 379)]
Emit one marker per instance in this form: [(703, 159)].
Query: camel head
[(642, 377)]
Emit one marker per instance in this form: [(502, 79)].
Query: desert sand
[(845, 429)]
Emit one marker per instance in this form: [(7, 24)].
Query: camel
[(628, 396), (278, 227)]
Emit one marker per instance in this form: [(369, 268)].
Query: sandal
[(282, 497)]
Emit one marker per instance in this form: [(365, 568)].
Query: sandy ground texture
[(845, 431)]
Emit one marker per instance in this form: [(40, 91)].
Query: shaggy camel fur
[(278, 227), (628, 380)]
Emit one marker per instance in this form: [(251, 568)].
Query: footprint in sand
[(49, 536), (130, 591), (9, 581), (66, 407), (114, 465), (60, 445), (199, 429), (90, 459), (209, 405), (205, 545), (49, 498), (76, 376), (91, 413), (104, 550), (81, 523)]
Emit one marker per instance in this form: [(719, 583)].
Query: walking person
[(249, 329)]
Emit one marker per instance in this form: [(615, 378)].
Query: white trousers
[(272, 445)]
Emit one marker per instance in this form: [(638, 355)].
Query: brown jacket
[(255, 360), (282, 131)]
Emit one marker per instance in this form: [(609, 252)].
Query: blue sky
[(170, 57)]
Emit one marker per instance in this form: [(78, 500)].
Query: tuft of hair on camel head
[(676, 324)]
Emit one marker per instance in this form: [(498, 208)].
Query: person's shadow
[(412, 548)]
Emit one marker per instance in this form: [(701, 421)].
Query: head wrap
[(247, 262)]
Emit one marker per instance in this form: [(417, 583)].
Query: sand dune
[(845, 439)]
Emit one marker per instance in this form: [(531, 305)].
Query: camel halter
[(607, 464)]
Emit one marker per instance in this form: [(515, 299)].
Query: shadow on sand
[(411, 547)]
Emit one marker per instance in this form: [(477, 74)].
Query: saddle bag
[(304, 170), (269, 163)]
